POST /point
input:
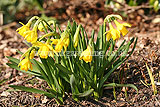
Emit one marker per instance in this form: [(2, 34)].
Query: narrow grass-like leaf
[(33, 90), (36, 73), (121, 85), (86, 93), (13, 59), (152, 80), (59, 66)]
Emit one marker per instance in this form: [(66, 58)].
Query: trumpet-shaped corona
[(112, 33), (44, 49), (121, 27), (31, 35), (86, 55), (62, 42), (25, 64), (24, 28)]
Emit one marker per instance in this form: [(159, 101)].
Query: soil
[(90, 14)]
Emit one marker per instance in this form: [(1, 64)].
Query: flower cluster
[(117, 27), (52, 46), (69, 60)]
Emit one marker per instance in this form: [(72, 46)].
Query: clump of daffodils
[(51, 46), (71, 62)]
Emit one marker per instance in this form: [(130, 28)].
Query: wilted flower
[(25, 64)]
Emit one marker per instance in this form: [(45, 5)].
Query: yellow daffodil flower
[(25, 64), (31, 35), (112, 33), (54, 41), (62, 42), (24, 28), (86, 55), (59, 46), (121, 27), (44, 49)]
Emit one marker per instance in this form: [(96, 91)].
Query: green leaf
[(44, 75), (86, 93), (73, 85), (117, 64), (59, 66), (121, 85), (33, 90), (19, 52), (29, 72), (48, 72), (13, 59)]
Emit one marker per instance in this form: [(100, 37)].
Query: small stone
[(5, 93)]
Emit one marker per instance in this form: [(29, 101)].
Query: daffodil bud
[(155, 6), (86, 55), (65, 35), (76, 36)]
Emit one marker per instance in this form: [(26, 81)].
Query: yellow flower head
[(31, 36), (24, 28), (62, 42), (121, 27), (112, 33), (44, 49), (86, 55), (59, 46), (116, 28), (25, 64)]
